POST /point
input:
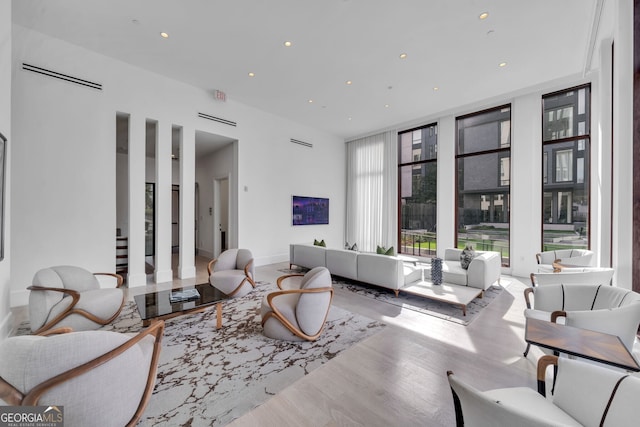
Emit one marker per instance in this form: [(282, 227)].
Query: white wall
[(217, 165), (5, 129), (66, 159)]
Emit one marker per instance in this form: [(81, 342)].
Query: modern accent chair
[(69, 296), (232, 272), (298, 311), (99, 377), (569, 257), (602, 308), (592, 275), (583, 395)]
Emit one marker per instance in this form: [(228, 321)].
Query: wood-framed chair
[(594, 306), (583, 394), (98, 376), (298, 312), (70, 296), (584, 276), (232, 272)]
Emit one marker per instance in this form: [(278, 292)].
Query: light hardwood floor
[(397, 377)]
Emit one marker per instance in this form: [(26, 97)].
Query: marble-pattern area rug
[(431, 307), (209, 377)]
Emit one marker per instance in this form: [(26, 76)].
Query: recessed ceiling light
[(349, 119), (311, 101), (386, 105), (483, 15), (436, 88), (349, 82), (403, 56), (252, 74), (502, 64), (164, 35), (288, 44)]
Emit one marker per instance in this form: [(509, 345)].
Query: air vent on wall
[(303, 143), (61, 76), (217, 119)]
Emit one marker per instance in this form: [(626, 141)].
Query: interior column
[(186, 264), (163, 272), (136, 275)]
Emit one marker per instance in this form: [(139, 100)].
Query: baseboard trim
[(272, 259)]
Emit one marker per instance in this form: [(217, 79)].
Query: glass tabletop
[(158, 304)]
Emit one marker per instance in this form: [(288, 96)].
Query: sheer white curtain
[(372, 171)]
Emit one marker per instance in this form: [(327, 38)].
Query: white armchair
[(570, 257), (583, 395), (483, 270), (590, 276), (601, 308), (100, 377), (232, 272), (299, 310), (72, 297)]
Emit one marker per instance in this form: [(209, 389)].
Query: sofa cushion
[(308, 256), (342, 263), (452, 272)]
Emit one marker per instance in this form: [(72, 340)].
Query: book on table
[(184, 295)]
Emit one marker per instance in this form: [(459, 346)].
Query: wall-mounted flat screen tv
[(310, 210)]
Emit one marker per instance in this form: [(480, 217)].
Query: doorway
[(221, 214)]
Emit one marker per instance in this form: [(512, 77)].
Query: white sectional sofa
[(381, 270), (483, 271)]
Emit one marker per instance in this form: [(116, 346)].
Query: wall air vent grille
[(217, 119), (303, 143), (60, 76)]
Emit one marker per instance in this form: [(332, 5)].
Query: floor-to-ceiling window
[(417, 190), (483, 158), (565, 169)]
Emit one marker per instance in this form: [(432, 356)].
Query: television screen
[(310, 210)]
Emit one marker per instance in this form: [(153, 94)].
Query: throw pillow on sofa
[(319, 243), (467, 254), (381, 250), (353, 247)]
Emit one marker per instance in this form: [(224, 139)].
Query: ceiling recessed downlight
[(403, 56), (349, 82), (164, 35), (386, 105), (311, 101), (502, 64), (288, 44), (483, 15), (435, 88), (252, 74)]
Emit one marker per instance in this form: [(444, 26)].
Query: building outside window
[(417, 175), (483, 157), (565, 174)]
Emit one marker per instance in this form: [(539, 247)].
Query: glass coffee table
[(157, 305)]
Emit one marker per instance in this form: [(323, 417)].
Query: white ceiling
[(214, 44)]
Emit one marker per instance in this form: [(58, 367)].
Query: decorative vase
[(436, 271)]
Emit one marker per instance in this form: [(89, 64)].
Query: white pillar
[(136, 251), (186, 264), (623, 145), (447, 167), (163, 272)]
